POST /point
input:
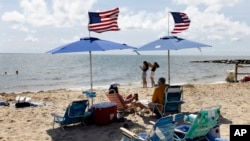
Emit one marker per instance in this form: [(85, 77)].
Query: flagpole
[(168, 55), (91, 78), (91, 74), (90, 69), (168, 23)]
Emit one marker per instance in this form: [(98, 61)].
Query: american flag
[(103, 21), (181, 22)]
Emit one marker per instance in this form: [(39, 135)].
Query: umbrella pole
[(91, 84), (90, 64), (168, 67)]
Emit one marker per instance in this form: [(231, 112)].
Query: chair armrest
[(127, 132), (130, 134), (154, 104), (55, 115), (152, 122), (179, 131), (179, 102)]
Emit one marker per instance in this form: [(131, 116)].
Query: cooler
[(104, 113)]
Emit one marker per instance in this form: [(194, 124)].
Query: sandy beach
[(35, 123)]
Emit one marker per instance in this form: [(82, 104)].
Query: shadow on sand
[(78, 132)]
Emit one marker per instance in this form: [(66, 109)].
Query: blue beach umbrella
[(90, 44), (170, 43)]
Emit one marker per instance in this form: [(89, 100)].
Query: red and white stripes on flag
[(181, 20), (103, 21)]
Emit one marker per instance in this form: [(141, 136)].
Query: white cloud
[(207, 2), (31, 39), (207, 24), (66, 41), (68, 13), (235, 39), (22, 28), (13, 17), (208, 21), (143, 20), (38, 13), (215, 37)]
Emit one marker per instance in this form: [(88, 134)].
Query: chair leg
[(156, 109), (120, 114), (53, 122), (61, 125), (83, 123)]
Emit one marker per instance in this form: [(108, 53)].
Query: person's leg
[(128, 96), (156, 108), (140, 105), (152, 79), (128, 99), (144, 82)]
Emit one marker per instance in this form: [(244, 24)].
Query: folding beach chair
[(206, 119), (75, 113), (173, 99), (121, 106), (163, 130)]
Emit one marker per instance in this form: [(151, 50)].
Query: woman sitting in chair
[(113, 89)]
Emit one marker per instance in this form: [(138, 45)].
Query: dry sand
[(35, 123)]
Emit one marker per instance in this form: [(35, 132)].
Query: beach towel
[(3, 103), (23, 101)]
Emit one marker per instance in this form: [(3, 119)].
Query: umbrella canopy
[(171, 43), (90, 44)]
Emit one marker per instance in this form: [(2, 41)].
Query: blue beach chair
[(173, 99), (163, 130), (75, 113), (200, 125)]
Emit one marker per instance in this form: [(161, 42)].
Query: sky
[(37, 26)]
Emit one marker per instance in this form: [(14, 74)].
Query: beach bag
[(22, 105), (22, 101)]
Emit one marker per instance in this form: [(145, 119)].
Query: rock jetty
[(237, 61)]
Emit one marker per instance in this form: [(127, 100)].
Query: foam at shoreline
[(126, 85)]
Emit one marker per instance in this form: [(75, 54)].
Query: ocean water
[(41, 72)]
